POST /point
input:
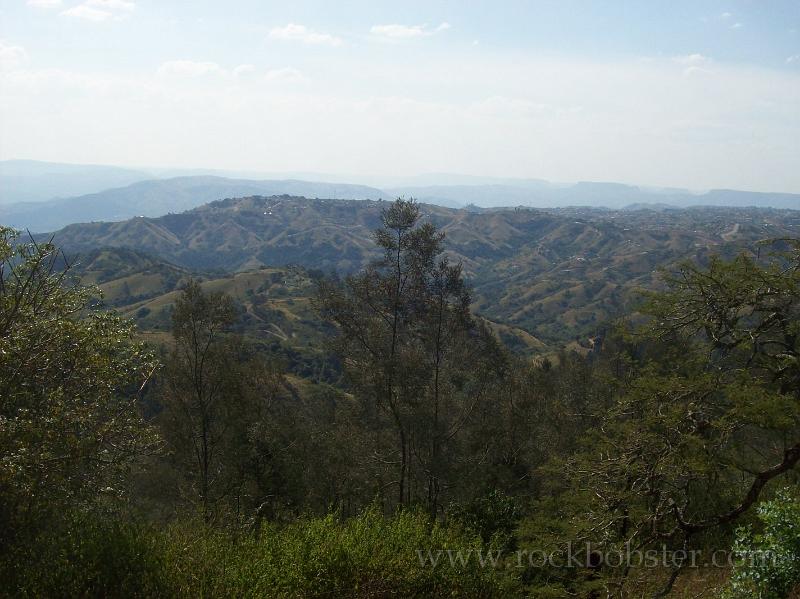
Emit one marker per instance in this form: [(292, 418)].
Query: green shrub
[(769, 562), (368, 556), (86, 557), (493, 516)]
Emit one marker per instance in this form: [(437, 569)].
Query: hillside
[(556, 274), (163, 196), (588, 269), (275, 305)]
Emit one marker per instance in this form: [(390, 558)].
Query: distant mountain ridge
[(537, 194), (114, 194), (158, 197), (35, 181)]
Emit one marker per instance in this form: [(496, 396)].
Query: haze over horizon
[(422, 179), (682, 94)]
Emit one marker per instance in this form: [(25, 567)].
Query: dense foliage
[(430, 461), (71, 377), (368, 556), (768, 564)]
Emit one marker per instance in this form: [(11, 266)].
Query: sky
[(693, 94)]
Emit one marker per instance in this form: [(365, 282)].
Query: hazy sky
[(675, 93)]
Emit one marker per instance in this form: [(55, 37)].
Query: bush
[(86, 557), (493, 516), (367, 556), (769, 562)]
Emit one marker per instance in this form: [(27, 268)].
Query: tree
[(221, 401), (197, 384), (71, 376), (410, 348), (711, 415)]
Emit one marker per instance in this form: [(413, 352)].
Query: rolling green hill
[(275, 304), (556, 274)]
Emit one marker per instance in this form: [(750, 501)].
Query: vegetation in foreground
[(364, 556), (200, 468)]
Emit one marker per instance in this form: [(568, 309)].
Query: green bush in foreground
[(769, 566), (86, 557), (367, 556)]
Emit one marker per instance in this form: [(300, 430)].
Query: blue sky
[(690, 94)]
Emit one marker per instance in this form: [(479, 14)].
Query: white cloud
[(101, 10), (12, 57), (401, 32), (793, 59), (44, 3), (696, 64), (737, 26), (126, 5), (725, 15), (243, 69), (184, 70), (189, 68), (692, 59), (301, 33), (509, 108), (695, 72), (285, 75), (83, 11)]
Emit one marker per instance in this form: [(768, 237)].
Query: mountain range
[(47, 196), (538, 194), (35, 181), (556, 274), (551, 271), (162, 196)]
